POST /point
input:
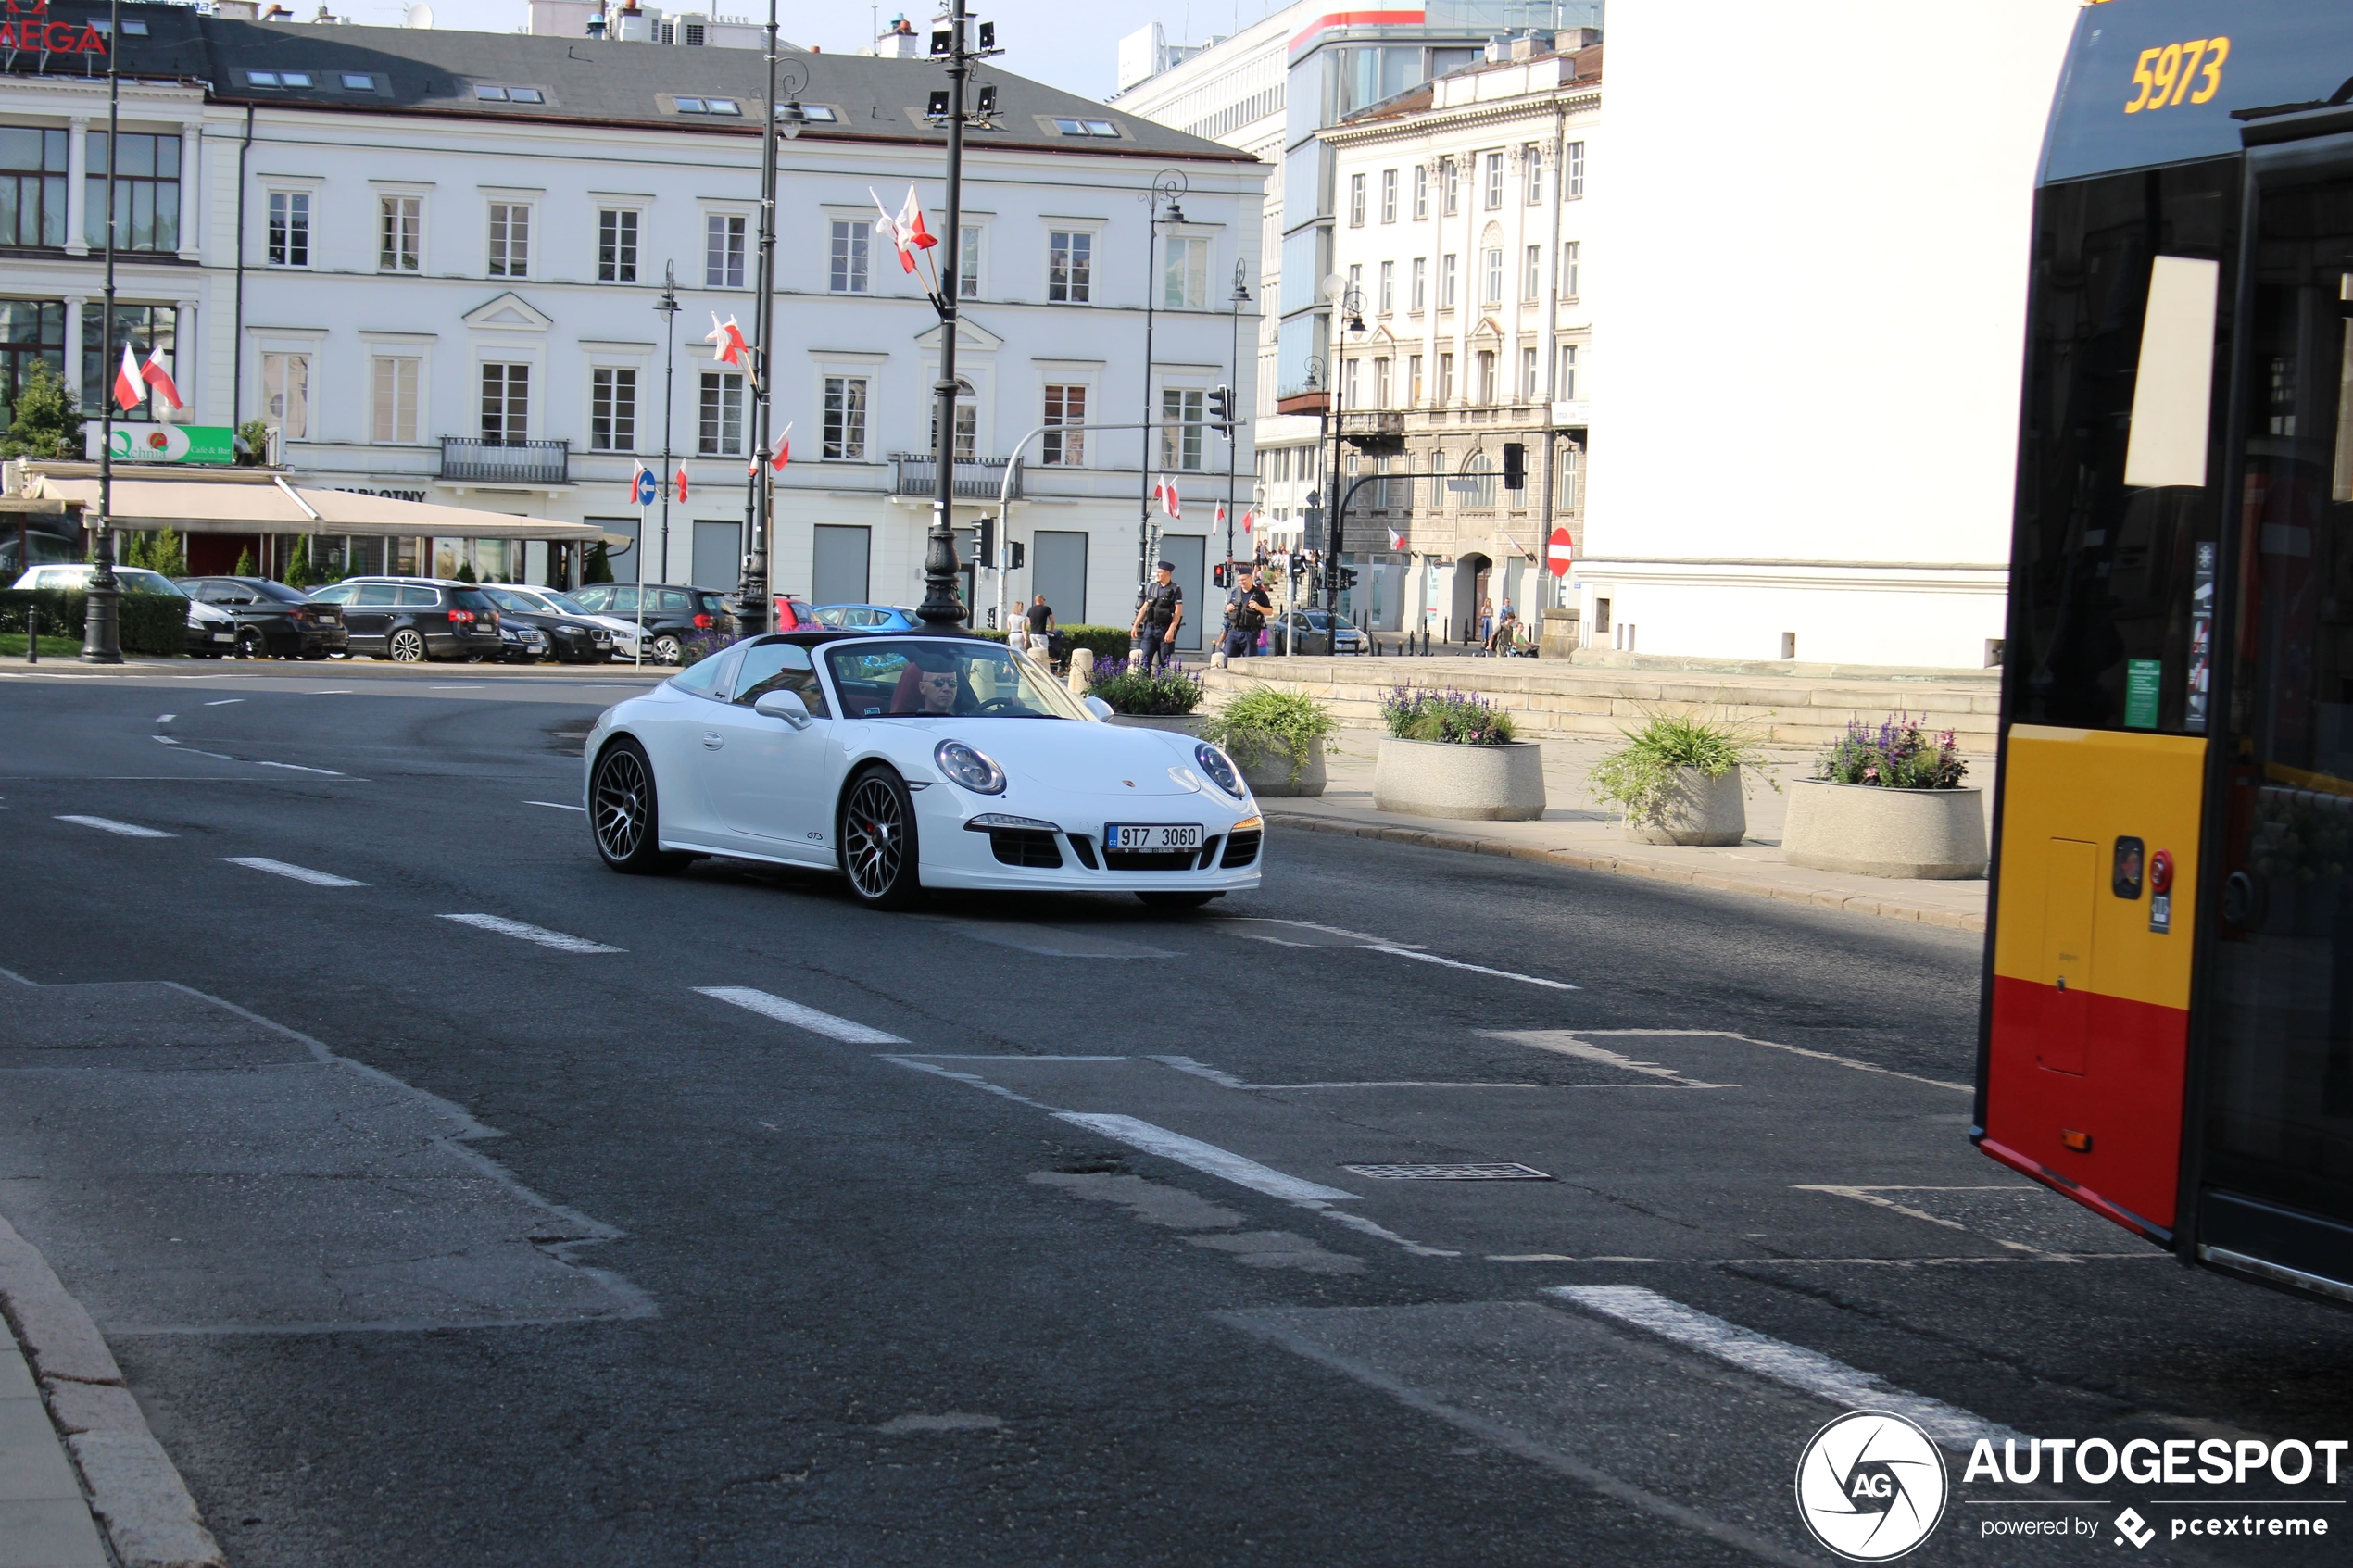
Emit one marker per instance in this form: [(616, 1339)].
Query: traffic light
[(1221, 410), (1222, 574), (1347, 578), (1515, 466), (1021, 554), (987, 554)]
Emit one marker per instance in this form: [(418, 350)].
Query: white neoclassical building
[(431, 262)]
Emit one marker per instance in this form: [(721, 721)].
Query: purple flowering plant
[(1459, 717), (1895, 753)]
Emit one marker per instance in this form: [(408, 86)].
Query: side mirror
[(1098, 708), (786, 706)]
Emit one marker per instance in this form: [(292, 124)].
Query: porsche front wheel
[(624, 813), (877, 833)]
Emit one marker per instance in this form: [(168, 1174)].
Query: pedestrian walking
[(1040, 616), (1247, 607), (1158, 617), (1486, 621)]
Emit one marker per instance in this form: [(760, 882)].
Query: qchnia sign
[(165, 444)]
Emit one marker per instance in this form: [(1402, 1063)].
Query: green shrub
[(1457, 717), (1894, 753), (599, 567), (1103, 642), (1638, 776), (1163, 694), (1264, 720), (47, 424), (152, 624), (252, 445)]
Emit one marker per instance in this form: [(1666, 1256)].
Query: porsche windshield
[(927, 678)]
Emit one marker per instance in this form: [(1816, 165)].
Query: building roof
[(587, 81)]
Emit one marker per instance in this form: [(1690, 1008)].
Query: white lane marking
[(223, 701), (1366, 937), (539, 934), (128, 830), (801, 1016), (558, 806), (298, 768), (1809, 1372), (1477, 968), (299, 873), (166, 717), (329, 690), (1206, 1158), (1793, 1050), (1220, 1077), (163, 740), (1563, 1042)]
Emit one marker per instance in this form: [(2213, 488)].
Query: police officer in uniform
[(1247, 609), (1159, 616)]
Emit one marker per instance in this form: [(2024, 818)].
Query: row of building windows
[(34, 172), (1485, 386), (1493, 184), (33, 331), (1493, 277), (1401, 490)]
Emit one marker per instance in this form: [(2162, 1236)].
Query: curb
[(135, 1489), (1853, 903)]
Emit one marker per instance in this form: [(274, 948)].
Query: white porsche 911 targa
[(914, 762)]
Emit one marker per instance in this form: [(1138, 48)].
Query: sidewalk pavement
[(76, 1456), (1577, 831)]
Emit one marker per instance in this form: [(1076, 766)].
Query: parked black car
[(674, 614), (409, 619), (571, 640), (273, 620)]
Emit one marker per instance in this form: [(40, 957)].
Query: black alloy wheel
[(408, 645), (1178, 900), (877, 837), (252, 644), (624, 815)]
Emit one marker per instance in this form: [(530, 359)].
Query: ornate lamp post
[(1168, 186), (1233, 441), (102, 617), (667, 306), (1347, 308), (786, 118)]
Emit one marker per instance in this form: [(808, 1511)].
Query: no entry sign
[(1556, 553)]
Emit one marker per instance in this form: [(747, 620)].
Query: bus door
[(2275, 1155)]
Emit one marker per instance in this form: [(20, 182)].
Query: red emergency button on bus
[(2161, 872)]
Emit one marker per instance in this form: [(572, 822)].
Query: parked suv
[(409, 619), (273, 620), (572, 639), (674, 614)]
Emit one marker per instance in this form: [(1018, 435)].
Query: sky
[(1043, 39)]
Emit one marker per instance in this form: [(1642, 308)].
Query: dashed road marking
[(1206, 1158), (558, 806), (801, 1016), (299, 873), (128, 830), (560, 941), (298, 768), (166, 717), (223, 701), (1809, 1372), (1477, 968)]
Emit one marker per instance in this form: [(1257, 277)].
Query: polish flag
[(783, 454), (730, 347), (156, 373), (682, 485), (909, 224), (1249, 518), (1165, 493), (635, 470), (129, 389)]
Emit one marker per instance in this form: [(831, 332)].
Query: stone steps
[(1549, 699)]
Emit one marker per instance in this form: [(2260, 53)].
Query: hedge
[(1105, 642), (151, 623)]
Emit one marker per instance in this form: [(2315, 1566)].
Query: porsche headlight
[(963, 765), (1219, 767)]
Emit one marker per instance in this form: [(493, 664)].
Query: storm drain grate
[(1449, 1172)]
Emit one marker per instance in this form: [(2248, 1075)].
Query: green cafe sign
[(166, 444)]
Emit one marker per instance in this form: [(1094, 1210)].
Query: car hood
[(1069, 758)]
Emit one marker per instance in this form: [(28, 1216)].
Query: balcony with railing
[(976, 479), (513, 462)]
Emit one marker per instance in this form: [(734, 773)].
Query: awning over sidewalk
[(260, 501)]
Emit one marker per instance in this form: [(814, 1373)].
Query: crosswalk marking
[(1807, 1371), (558, 940), (799, 1016), (128, 830)]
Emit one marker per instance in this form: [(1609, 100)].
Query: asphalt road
[(1015, 1231)]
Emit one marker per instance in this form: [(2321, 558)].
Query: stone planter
[(1270, 774), (1694, 809), (1430, 778), (1183, 723), (1938, 835)]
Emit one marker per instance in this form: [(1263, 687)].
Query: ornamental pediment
[(509, 312)]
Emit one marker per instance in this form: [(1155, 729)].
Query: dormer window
[(722, 105), (359, 82), (488, 93), (1085, 127), (293, 79), (818, 114), (690, 106), (261, 79)]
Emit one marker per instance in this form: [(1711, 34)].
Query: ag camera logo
[(1871, 1485)]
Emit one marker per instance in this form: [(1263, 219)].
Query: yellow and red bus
[(2167, 1034)]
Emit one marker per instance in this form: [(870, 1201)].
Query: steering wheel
[(997, 703)]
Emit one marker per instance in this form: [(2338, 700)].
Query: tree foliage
[(47, 424)]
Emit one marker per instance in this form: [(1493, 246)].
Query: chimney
[(238, 11), (597, 20), (1524, 46), (901, 42)]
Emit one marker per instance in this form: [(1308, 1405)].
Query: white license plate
[(1151, 835), (224, 636)]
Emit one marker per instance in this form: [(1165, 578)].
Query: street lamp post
[(1166, 188), (751, 592), (102, 617), (668, 307), (1233, 442), (1348, 303)]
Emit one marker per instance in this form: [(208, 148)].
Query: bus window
[(2279, 1103), (2114, 544)]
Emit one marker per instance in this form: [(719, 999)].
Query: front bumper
[(1072, 858)]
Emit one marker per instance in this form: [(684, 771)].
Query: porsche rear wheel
[(877, 833), (625, 814)]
